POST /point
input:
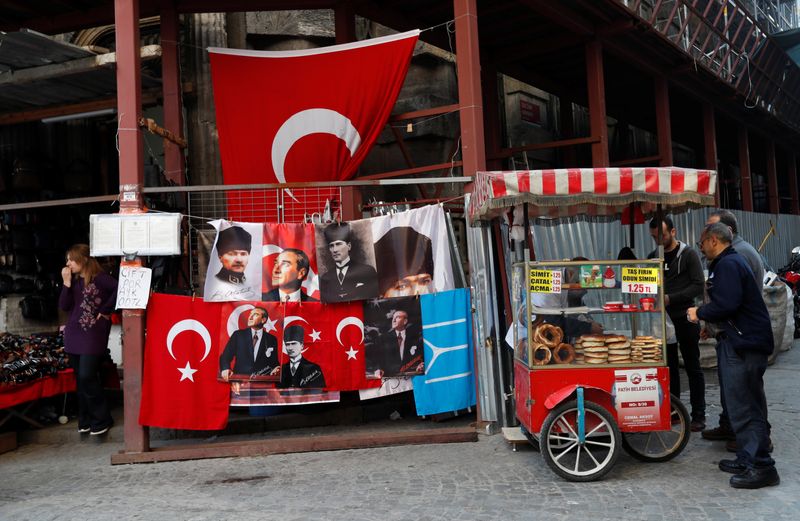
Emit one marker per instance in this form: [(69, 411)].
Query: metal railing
[(726, 40)]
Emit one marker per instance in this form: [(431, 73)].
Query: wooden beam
[(295, 444), (58, 70), (470, 98), (412, 171), (595, 84), (150, 97), (508, 152), (423, 113)]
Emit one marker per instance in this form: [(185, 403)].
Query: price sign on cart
[(545, 281), (639, 280)]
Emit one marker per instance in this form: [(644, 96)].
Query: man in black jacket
[(253, 351), (346, 278), (745, 341), (298, 372), (403, 352), (290, 270), (683, 282)]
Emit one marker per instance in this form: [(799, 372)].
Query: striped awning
[(590, 191)]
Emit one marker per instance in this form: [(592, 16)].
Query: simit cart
[(590, 372)]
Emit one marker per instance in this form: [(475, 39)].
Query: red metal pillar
[(772, 178), (596, 87), (174, 162), (744, 169), (345, 26), (710, 144), (131, 178), (470, 101), (791, 171), (663, 123)]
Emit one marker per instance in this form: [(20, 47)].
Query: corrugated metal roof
[(27, 49)]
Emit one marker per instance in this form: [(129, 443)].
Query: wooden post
[(744, 169), (131, 178), (663, 123), (345, 26), (174, 162), (595, 83), (710, 144), (772, 178), (470, 101)]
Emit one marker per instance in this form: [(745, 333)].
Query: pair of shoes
[(83, 430), (756, 478), (732, 466), (718, 433), (698, 424), (731, 446)]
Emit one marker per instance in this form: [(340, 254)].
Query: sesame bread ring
[(548, 334), (541, 354), (564, 354)]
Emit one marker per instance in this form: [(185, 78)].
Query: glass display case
[(589, 313)]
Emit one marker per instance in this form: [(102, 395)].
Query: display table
[(31, 392)]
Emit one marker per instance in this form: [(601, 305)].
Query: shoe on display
[(756, 478), (732, 466), (731, 446), (718, 433)]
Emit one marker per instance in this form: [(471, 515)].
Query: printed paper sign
[(639, 280), (545, 281), (636, 397), (133, 290)]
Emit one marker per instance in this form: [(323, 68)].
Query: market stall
[(589, 336)]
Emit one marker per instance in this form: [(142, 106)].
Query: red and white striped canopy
[(590, 191)]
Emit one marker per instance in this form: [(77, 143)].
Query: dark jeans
[(92, 404), (688, 335), (743, 374)]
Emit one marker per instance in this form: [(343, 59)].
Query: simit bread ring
[(548, 334), (564, 354), (541, 354)]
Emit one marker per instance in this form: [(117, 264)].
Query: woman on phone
[(89, 296)]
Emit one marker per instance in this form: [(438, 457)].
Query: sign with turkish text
[(545, 281), (639, 280), (636, 397)]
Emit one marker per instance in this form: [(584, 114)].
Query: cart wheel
[(660, 445), (533, 439), (562, 450)]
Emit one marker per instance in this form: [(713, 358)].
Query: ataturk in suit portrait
[(350, 273), (298, 372), (290, 270), (251, 353), (394, 345)]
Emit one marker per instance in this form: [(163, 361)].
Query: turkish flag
[(334, 340), (279, 237), (305, 115), (180, 388)]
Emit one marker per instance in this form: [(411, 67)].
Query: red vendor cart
[(589, 337)]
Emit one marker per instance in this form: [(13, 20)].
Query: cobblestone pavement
[(469, 481)]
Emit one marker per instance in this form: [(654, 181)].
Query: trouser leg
[(674, 370), (688, 335), (92, 399), (747, 405)]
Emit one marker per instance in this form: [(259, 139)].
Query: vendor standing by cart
[(683, 282)]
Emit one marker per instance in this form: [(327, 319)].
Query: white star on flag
[(270, 325), (351, 354), (315, 335), (187, 372)]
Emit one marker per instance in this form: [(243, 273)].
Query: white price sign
[(639, 287)]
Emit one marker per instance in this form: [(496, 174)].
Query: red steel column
[(791, 171), (468, 67), (595, 82), (744, 170), (131, 178), (663, 123), (710, 144), (174, 162), (345, 26), (772, 178)]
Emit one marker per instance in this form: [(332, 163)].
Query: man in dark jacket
[(299, 372), (683, 282), (253, 351), (743, 345)]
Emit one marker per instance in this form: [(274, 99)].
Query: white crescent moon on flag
[(233, 319), (189, 324), (269, 249), (305, 123), (349, 321)]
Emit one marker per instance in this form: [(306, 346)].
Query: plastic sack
[(669, 327)]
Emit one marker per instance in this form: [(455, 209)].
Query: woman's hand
[(66, 274)]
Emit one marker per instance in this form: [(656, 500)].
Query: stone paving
[(470, 481)]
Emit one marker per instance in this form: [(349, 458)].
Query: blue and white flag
[(449, 380)]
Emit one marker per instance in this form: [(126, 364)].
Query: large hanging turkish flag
[(307, 115), (180, 389)]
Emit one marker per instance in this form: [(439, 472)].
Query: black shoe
[(732, 466), (731, 446), (83, 430), (756, 478), (718, 433), (698, 424)]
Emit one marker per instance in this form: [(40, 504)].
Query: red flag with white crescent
[(291, 237), (179, 386), (305, 115)]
